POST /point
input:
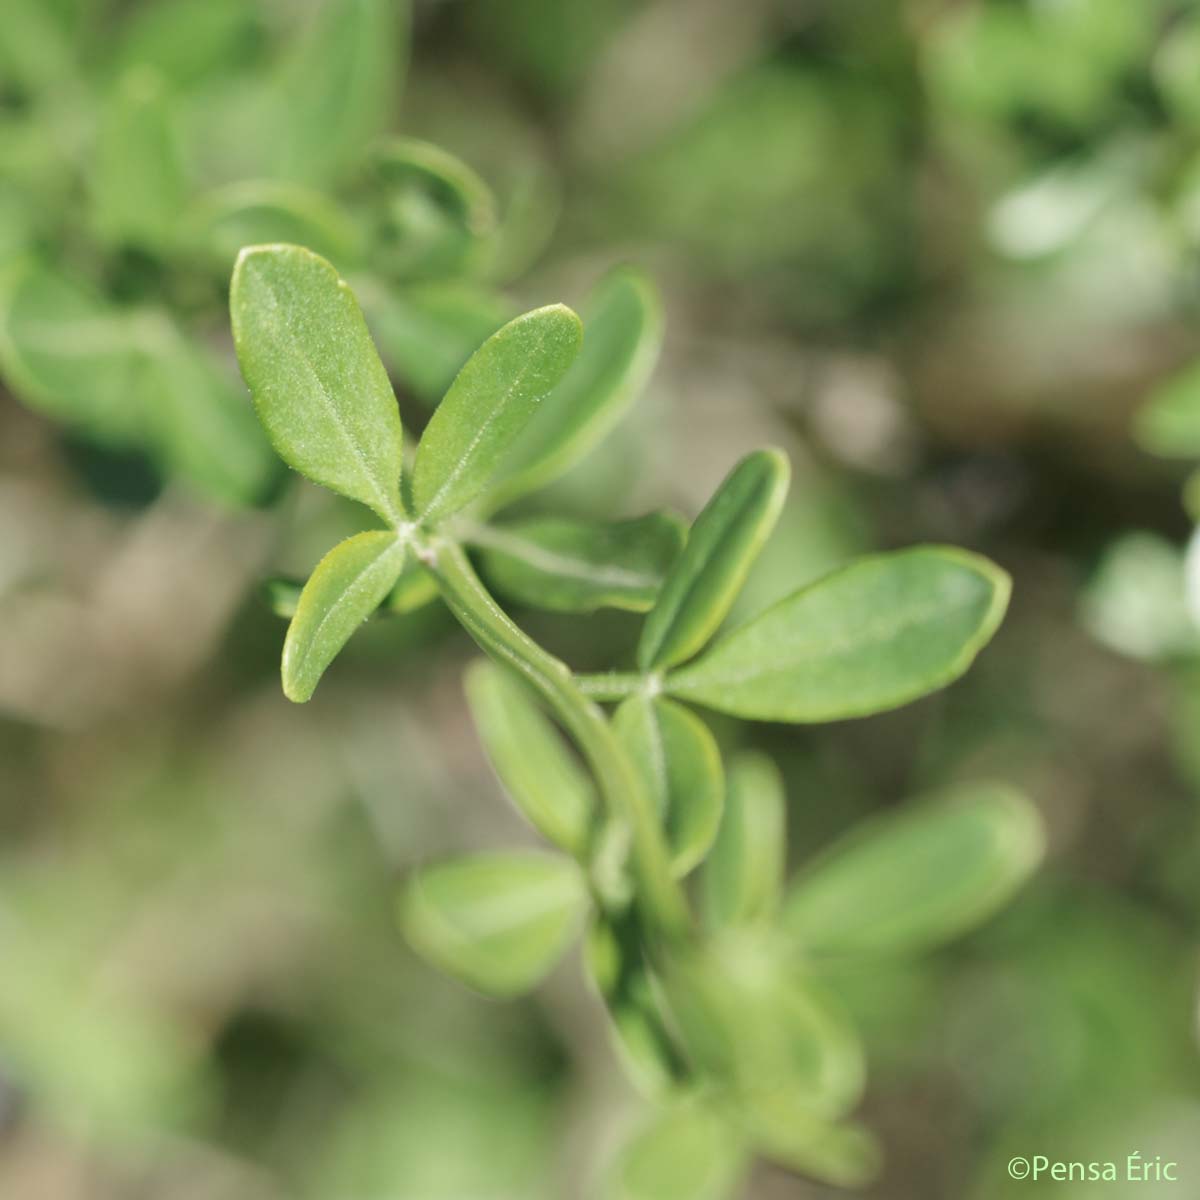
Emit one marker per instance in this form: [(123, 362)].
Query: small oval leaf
[(318, 385), (434, 215), (413, 590), (257, 211), (905, 883), (743, 877), (527, 751), (1169, 422), (681, 764), (868, 637), (348, 585), (687, 1152), (337, 87), (137, 182), (69, 353), (758, 1027), (488, 406), (497, 922), (623, 319), (564, 565), (721, 548)]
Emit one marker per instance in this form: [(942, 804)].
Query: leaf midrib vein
[(460, 467), (873, 634), (555, 562)]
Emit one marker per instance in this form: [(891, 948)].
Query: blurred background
[(943, 253)]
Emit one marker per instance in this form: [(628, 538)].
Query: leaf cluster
[(719, 1007), (140, 159)]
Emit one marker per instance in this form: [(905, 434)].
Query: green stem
[(660, 896), (611, 685)]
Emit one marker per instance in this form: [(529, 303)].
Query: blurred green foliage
[(945, 252)]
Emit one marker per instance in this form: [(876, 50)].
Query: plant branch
[(660, 897)]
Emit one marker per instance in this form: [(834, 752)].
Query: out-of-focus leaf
[(318, 385), (865, 638), (282, 596), (757, 1027), (616, 967), (138, 184), (1175, 70), (414, 589), (489, 405), (498, 922), (427, 331), (1136, 602), (782, 1129), (572, 566), (188, 40), (1169, 422), (680, 762), (721, 548), (261, 211), (687, 1152), (338, 87), (71, 355), (348, 585), (624, 329), (435, 215), (907, 882), (129, 378), (743, 876), (201, 427), (549, 787), (1063, 63)]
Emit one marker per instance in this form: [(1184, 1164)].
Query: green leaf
[(415, 588), (565, 565), (338, 87), (868, 637), (623, 319), (200, 424), (615, 963), (1169, 422), (260, 211), (527, 751), (129, 378), (905, 883), (68, 353), (489, 405), (687, 1152), (348, 585), (681, 765), (499, 921), (186, 41), (282, 596), (435, 215), (782, 1129), (137, 181), (743, 877), (427, 331), (318, 385), (754, 1024), (1136, 600), (721, 548)]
